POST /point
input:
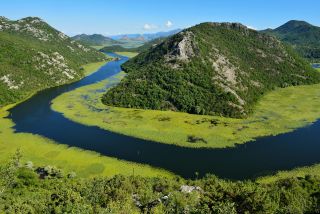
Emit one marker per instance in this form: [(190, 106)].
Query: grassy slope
[(97, 47), (278, 112), (128, 54), (84, 163)]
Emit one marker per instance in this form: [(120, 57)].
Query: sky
[(111, 17)]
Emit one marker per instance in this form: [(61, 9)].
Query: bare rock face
[(182, 50), (190, 189)]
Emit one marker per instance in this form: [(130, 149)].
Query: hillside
[(304, 37), (95, 40), (211, 68), (144, 47), (35, 56), (26, 188)]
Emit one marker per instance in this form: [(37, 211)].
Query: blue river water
[(262, 157)]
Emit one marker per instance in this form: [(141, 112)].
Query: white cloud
[(251, 27), (149, 27), (169, 24)]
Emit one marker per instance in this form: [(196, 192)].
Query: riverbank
[(128, 54), (93, 67), (299, 172), (280, 111), (43, 151)]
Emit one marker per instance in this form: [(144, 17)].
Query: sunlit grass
[(98, 47), (92, 67), (42, 151), (128, 54), (278, 112), (298, 172)]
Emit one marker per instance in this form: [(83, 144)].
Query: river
[(262, 157)]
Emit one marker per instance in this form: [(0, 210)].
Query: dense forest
[(304, 37), (95, 40), (34, 56), (25, 188), (211, 68)]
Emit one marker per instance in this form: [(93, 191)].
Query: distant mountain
[(95, 40), (144, 47), (211, 68), (35, 56), (304, 37), (146, 37)]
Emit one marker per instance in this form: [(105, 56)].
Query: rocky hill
[(304, 37), (211, 68), (34, 56)]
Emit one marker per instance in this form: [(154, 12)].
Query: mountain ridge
[(35, 56), (95, 40), (303, 36)]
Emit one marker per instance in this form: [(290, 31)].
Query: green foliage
[(95, 40), (7, 172), (34, 56), (30, 193), (304, 37), (222, 69)]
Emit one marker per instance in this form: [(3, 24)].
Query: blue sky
[(111, 17)]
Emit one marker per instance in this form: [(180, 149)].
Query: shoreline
[(270, 117), (85, 163)]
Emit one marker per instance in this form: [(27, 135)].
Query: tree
[(8, 172)]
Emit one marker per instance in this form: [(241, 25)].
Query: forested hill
[(211, 68), (95, 40), (34, 56), (304, 37)]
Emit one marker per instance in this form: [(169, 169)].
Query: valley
[(206, 135), (171, 107)]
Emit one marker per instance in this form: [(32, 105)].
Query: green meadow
[(42, 151), (280, 111), (128, 54), (98, 47), (92, 67)]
